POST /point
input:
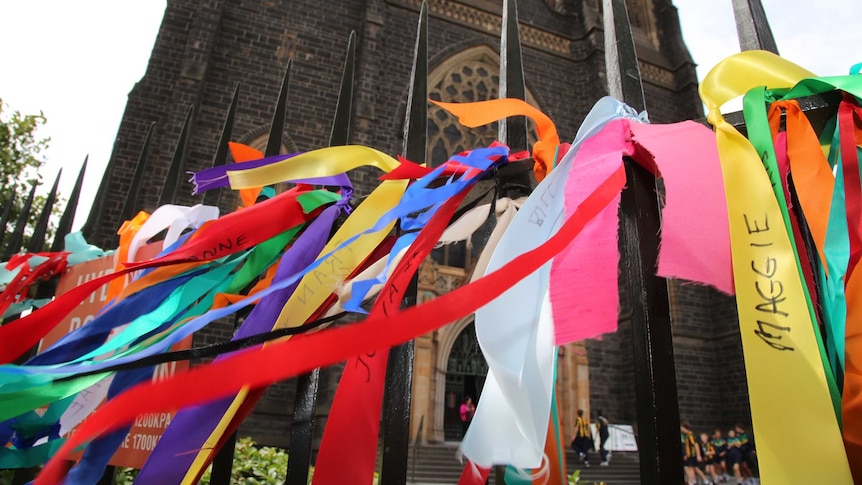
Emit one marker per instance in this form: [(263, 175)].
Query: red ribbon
[(277, 361), (349, 445), (224, 236), (20, 285), (254, 395), (850, 126), (783, 162), (473, 475)]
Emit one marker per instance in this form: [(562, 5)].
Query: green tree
[(21, 158)]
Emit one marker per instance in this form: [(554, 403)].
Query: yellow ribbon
[(788, 390), (323, 162), (317, 286)]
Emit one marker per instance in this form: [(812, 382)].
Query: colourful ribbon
[(323, 348), (850, 126), (227, 235), (545, 150), (780, 347)]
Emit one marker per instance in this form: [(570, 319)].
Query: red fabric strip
[(278, 361), (20, 285), (850, 126), (408, 170), (226, 235), (349, 446), (783, 162), (473, 475), (256, 394)]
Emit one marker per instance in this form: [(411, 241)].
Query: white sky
[(76, 61)]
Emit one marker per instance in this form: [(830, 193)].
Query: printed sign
[(622, 438), (147, 428)]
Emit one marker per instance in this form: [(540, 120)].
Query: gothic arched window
[(469, 76), (474, 80)]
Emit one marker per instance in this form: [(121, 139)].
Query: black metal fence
[(657, 426)]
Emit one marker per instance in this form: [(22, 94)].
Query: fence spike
[(65, 225), (17, 239), (4, 219), (752, 26), (172, 181), (512, 130), (416, 117), (652, 339), (308, 385), (131, 201), (621, 60), (40, 230), (399, 370), (276, 130), (340, 134), (94, 217), (213, 197)]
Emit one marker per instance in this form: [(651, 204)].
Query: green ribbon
[(836, 247), (29, 457), (23, 392)]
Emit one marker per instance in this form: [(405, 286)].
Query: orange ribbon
[(245, 153), (812, 175), (127, 233), (484, 112)]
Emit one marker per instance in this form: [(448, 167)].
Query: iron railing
[(652, 346)]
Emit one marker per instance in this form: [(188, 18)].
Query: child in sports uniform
[(691, 452), (720, 445), (734, 454), (707, 450), (747, 447), (583, 440)]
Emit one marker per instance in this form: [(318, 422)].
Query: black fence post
[(640, 223), (94, 217), (131, 201), (17, 239), (213, 197), (514, 180), (64, 227), (40, 230), (512, 130), (308, 385), (178, 161), (753, 26), (21, 475), (399, 370), (4, 218), (223, 461)]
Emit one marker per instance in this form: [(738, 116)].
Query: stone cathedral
[(204, 47)]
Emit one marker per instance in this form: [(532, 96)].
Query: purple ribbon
[(216, 177), (170, 460)]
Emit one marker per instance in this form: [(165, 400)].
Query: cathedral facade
[(205, 47)]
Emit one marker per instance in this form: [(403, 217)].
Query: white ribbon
[(174, 218), (515, 331)]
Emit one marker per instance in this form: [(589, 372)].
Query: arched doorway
[(465, 376)]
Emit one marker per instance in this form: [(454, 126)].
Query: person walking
[(691, 453), (583, 440), (604, 433)]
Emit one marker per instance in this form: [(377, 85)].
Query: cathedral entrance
[(465, 377)]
